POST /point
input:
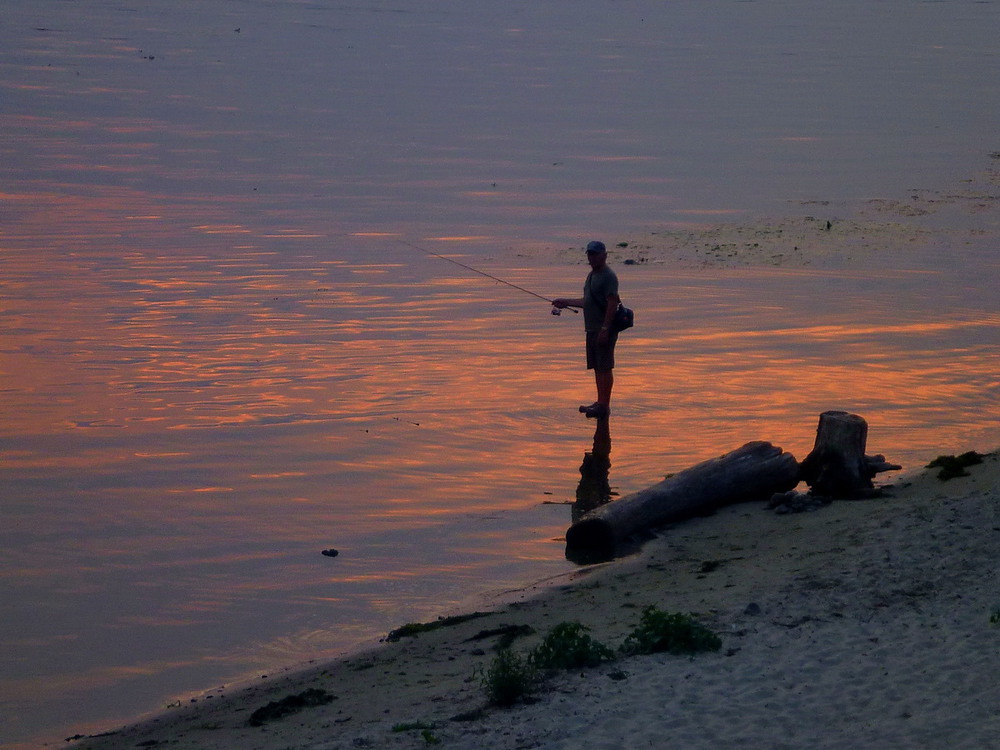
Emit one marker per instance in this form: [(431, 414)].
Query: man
[(599, 302)]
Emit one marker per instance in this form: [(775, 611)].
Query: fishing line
[(476, 270)]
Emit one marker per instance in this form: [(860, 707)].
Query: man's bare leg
[(605, 382)]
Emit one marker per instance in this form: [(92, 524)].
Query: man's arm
[(609, 316), (562, 302)]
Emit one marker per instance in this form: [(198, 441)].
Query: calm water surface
[(217, 361)]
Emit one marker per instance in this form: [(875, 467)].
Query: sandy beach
[(862, 624)]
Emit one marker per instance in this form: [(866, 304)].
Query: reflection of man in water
[(594, 489), (599, 302)]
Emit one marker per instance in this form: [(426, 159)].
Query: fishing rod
[(555, 310)]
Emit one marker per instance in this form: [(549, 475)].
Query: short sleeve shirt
[(596, 290)]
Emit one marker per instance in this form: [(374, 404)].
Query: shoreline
[(862, 621)]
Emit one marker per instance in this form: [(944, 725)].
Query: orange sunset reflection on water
[(400, 367)]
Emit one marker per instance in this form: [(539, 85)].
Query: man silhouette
[(599, 302)]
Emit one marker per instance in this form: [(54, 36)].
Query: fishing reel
[(556, 311)]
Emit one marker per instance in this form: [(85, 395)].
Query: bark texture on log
[(837, 467), (753, 472)]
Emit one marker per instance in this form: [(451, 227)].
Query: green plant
[(674, 633), (567, 646), (508, 679), (430, 738), (995, 616)]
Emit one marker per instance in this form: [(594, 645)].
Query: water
[(218, 362)]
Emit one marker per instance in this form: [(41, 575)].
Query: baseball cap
[(596, 246)]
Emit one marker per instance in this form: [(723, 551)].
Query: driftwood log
[(754, 472), (837, 467)]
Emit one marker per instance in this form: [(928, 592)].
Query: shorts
[(601, 358)]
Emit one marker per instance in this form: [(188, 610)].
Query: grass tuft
[(509, 679)]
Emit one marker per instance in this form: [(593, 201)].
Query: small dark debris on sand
[(290, 704), (413, 629), (508, 634)]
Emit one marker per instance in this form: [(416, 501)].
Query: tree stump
[(837, 467), (754, 472)]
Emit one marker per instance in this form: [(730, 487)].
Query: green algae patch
[(955, 466)]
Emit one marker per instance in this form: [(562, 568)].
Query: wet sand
[(865, 623), (907, 232)]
